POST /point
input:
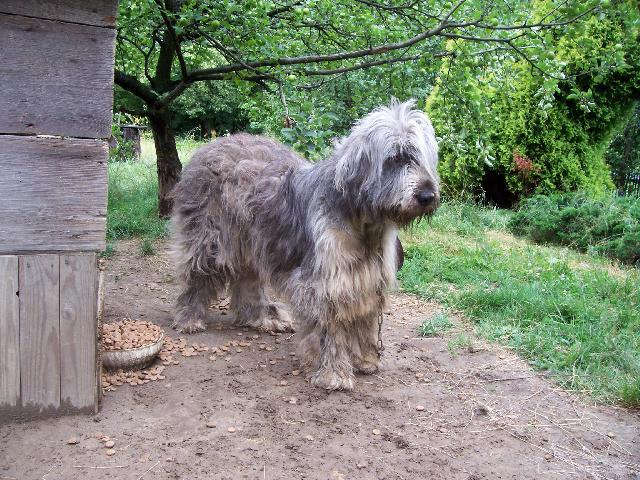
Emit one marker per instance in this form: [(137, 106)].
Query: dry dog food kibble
[(127, 334)]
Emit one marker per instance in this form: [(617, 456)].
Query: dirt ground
[(485, 413)]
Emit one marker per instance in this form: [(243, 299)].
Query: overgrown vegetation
[(571, 314), (607, 225), (520, 128)]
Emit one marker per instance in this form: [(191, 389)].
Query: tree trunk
[(169, 166)]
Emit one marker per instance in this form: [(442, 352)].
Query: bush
[(609, 225), (514, 132)]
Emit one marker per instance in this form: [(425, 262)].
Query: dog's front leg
[(335, 370)]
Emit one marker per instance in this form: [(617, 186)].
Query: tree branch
[(363, 65), (174, 38), (133, 85)]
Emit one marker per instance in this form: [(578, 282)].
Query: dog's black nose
[(425, 197)]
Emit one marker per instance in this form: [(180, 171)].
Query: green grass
[(574, 315), (133, 194)]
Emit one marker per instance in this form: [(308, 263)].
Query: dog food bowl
[(132, 358)]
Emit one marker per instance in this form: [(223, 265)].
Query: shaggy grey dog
[(251, 214)]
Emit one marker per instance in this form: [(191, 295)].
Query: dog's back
[(211, 202)]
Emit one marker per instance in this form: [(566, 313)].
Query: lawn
[(574, 315)]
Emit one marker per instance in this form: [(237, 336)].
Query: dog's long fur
[(251, 214)]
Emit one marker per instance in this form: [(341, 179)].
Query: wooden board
[(56, 78), (9, 333), (53, 194), (90, 12), (78, 318), (39, 280)]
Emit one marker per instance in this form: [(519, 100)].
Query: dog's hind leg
[(364, 346), (253, 309), (191, 307)]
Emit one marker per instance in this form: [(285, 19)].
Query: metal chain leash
[(380, 345)]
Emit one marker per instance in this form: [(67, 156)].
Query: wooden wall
[(56, 79)]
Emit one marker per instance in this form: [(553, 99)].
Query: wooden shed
[(56, 93)]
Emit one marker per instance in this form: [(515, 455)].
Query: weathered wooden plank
[(78, 317), (40, 331), (90, 12), (9, 333), (53, 194), (56, 78)]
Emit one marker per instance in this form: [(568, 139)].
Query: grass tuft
[(432, 327), (147, 247)]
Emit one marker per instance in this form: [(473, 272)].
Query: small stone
[(283, 383), (611, 435), (292, 400), (419, 375), (73, 441), (295, 373), (231, 429), (212, 424), (361, 464), (548, 456), (406, 337), (238, 350), (110, 452), (420, 408), (376, 431), (109, 444), (272, 362), (269, 349), (308, 438)]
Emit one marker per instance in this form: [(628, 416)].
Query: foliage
[(623, 154), (608, 225), (558, 115), (573, 315), (123, 149), (322, 55)]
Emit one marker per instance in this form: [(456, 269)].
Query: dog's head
[(387, 166)]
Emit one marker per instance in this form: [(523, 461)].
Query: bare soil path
[(485, 413)]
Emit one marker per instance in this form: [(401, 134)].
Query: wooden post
[(131, 136)]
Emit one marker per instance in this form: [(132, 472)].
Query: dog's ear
[(353, 161)]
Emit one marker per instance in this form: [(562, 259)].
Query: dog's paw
[(366, 366), (277, 319), (190, 326), (275, 325), (332, 380)]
